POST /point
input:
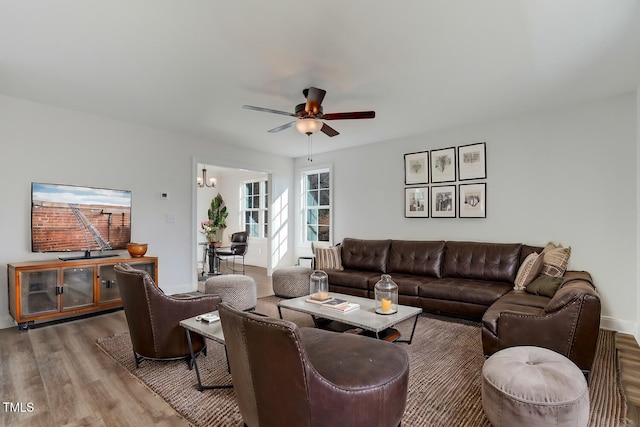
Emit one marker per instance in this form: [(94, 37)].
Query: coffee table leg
[(415, 322), (195, 365)]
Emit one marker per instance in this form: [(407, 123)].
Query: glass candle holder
[(386, 295), (319, 285)]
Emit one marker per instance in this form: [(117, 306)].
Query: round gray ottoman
[(236, 289), (289, 282), (533, 386)]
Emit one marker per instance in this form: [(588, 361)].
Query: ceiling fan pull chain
[(309, 155)]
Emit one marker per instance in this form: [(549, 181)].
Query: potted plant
[(217, 219)]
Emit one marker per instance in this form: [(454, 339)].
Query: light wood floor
[(56, 375), (629, 354)]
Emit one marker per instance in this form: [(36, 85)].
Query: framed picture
[(416, 201), (443, 201), (473, 200), (472, 162), (443, 165), (416, 168)]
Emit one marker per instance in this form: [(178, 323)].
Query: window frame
[(262, 209), (304, 207)]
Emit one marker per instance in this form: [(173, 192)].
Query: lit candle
[(322, 295), (386, 304)]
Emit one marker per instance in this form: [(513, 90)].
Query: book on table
[(319, 299), (341, 305)]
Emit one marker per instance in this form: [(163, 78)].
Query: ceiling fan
[(309, 116)]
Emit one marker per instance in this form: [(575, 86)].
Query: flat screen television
[(67, 218)]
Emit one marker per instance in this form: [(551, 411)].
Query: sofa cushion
[(529, 270), (423, 258), (525, 299), (367, 255), (556, 259), (328, 258), (544, 285), (479, 292), (408, 284), (352, 279), (483, 261)]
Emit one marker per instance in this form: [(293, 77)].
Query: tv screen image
[(67, 218)]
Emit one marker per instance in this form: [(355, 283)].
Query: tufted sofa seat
[(476, 280)]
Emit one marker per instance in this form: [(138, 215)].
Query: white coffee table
[(365, 317), (211, 330)]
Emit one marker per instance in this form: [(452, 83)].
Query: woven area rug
[(444, 383)]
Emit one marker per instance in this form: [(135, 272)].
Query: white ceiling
[(190, 65)]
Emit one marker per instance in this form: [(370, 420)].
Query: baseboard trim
[(623, 326)]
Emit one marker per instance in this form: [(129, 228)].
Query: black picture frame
[(473, 200), (416, 168), (416, 202), (472, 161), (443, 165), (443, 201)]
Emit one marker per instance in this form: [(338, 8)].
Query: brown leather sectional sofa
[(476, 280)]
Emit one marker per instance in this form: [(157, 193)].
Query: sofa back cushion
[(367, 255), (422, 258), (484, 261), (528, 250)]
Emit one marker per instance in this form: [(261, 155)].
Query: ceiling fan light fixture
[(309, 126)]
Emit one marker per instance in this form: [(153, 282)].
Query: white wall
[(567, 176), (47, 144)]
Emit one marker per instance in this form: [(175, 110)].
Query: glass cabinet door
[(109, 290), (38, 292), (77, 287), (149, 267)]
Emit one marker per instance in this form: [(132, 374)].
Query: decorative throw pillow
[(545, 286), (529, 270), (556, 259), (329, 258)]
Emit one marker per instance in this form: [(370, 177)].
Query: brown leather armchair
[(154, 317), (284, 375)]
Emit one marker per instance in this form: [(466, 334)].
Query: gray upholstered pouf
[(289, 282), (236, 289), (533, 386)]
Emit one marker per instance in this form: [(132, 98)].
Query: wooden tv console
[(43, 291)]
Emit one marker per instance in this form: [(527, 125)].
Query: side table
[(212, 331)]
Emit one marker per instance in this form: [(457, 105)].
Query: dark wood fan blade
[(314, 100), (268, 110), (351, 115), (283, 127), (328, 130)]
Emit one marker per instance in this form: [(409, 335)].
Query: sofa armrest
[(576, 285)]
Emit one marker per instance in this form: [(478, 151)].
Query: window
[(317, 205), (255, 210)]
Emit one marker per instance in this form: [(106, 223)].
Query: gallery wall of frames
[(446, 183)]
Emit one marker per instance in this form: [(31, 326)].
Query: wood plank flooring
[(56, 375), (629, 354)]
